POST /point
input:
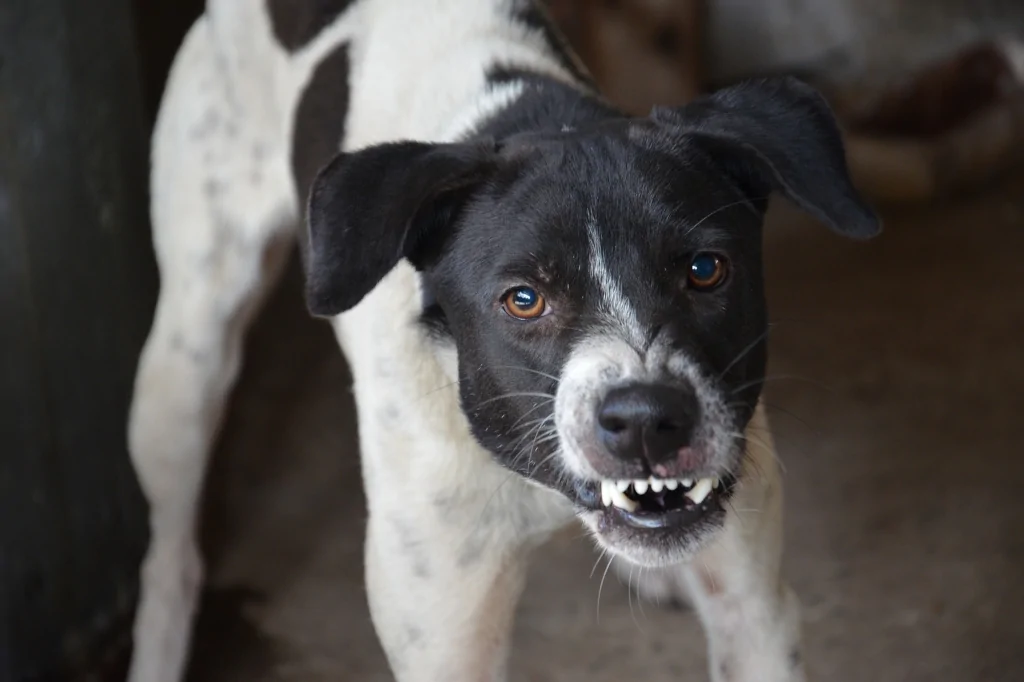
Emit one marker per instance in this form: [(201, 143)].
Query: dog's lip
[(673, 518)]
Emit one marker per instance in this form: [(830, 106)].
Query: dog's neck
[(541, 104)]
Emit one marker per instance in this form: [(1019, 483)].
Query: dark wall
[(79, 83), (160, 27)]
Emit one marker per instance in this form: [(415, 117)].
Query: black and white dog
[(551, 310)]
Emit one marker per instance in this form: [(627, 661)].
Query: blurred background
[(897, 366)]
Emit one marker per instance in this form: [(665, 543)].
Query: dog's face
[(603, 289)]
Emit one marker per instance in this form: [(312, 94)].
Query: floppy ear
[(780, 134), (369, 209)]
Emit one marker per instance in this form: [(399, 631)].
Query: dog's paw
[(664, 587)]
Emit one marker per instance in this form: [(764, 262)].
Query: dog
[(551, 310)]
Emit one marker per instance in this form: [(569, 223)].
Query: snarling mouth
[(655, 502)]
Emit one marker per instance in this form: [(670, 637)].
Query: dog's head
[(602, 287)]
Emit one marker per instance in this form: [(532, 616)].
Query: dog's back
[(355, 73)]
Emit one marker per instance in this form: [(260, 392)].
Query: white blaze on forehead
[(613, 300)]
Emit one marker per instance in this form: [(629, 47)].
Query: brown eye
[(707, 271), (524, 303)]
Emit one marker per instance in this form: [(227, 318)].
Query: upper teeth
[(614, 492)]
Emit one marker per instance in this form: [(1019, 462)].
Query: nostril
[(613, 423), (667, 426)]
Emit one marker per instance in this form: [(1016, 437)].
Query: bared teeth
[(613, 493), (701, 489)]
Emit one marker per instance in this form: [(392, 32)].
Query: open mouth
[(658, 503)]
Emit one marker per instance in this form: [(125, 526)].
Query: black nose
[(648, 421)]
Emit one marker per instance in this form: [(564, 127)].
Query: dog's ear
[(371, 208), (780, 135)]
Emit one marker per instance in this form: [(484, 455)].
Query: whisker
[(751, 346), (792, 415), (528, 369), (600, 587), (524, 394), (720, 209), (604, 550), (639, 599), (779, 377), (439, 388)]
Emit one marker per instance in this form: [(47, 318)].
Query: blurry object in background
[(160, 26), (77, 289), (943, 95), (955, 125), (938, 123), (639, 51)]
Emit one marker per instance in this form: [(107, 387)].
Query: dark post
[(77, 289)]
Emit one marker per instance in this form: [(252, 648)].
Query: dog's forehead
[(610, 183), (578, 209)]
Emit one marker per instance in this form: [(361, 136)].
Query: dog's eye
[(524, 303), (707, 271)]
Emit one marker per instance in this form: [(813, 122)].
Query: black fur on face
[(602, 216), (536, 223)]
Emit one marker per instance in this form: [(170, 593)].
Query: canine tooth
[(606, 494), (700, 490), (687, 482), (671, 484), (623, 485), (715, 483), (657, 485), (620, 500), (640, 487)]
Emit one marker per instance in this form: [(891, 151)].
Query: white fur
[(445, 522), (601, 363), (750, 616), (622, 317)]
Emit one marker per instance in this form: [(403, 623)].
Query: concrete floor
[(898, 376)]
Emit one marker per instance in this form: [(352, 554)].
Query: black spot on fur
[(414, 548), (213, 188), (413, 635), (796, 659), (320, 119), (297, 22), (207, 125), (179, 344)]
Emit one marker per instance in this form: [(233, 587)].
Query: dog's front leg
[(750, 616), (448, 540)]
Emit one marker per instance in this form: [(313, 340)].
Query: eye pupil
[(704, 267), (524, 298), (524, 303), (706, 271)]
